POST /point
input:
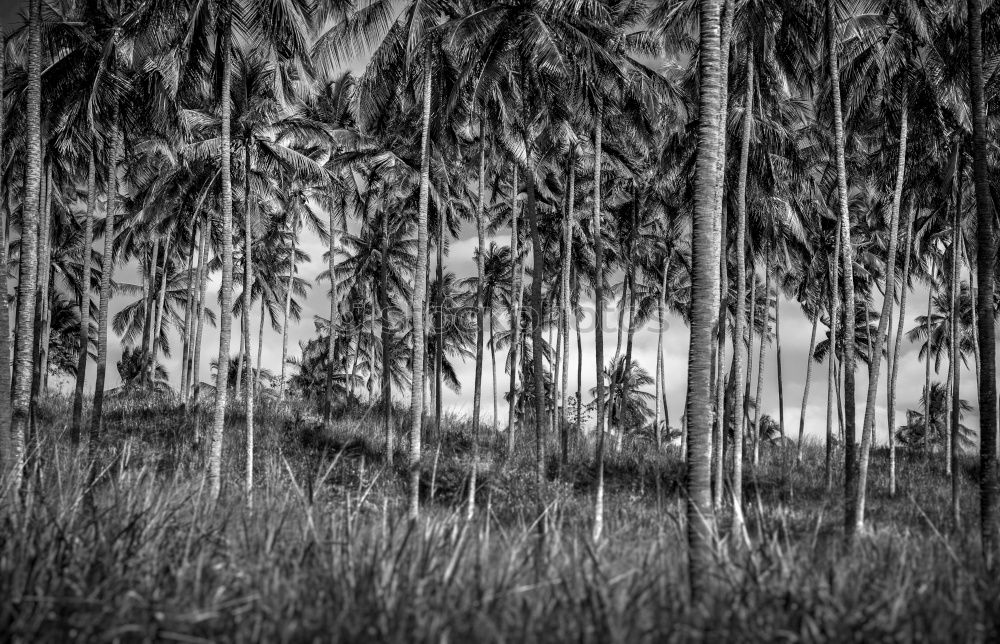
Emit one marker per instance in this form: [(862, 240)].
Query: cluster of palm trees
[(703, 160)]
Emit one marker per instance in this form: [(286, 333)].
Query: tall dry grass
[(327, 553)]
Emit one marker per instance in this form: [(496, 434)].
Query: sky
[(795, 332)]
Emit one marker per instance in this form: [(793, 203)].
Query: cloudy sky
[(794, 339)]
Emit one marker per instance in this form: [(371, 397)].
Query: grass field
[(327, 553)]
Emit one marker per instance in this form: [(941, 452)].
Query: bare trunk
[(417, 390), (86, 245), (805, 390), (704, 283), (515, 313), (894, 365), (107, 268), (480, 320), (875, 354), (599, 320), (226, 289), (288, 311)]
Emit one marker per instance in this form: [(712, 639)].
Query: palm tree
[(924, 431), (24, 331), (704, 277), (9, 459), (989, 481)]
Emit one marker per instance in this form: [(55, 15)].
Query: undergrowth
[(327, 554)]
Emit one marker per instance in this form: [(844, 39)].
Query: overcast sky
[(794, 335)]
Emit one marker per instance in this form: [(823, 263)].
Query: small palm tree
[(925, 433)]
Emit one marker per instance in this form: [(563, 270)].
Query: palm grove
[(698, 160)]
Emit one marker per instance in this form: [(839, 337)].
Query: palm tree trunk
[(538, 375), (741, 296), (86, 245), (565, 310), (777, 354), (9, 460), (480, 319), (760, 364), (850, 467), (704, 283), (149, 292), (985, 251), (599, 320), (719, 402), (161, 301), (894, 366), (226, 289), (805, 390), (833, 385), (875, 354), (194, 380), (493, 364), (260, 347), (515, 312), (188, 314), (288, 310), (956, 369), (42, 294), (246, 356), (386, 344), (579, 374), (417, 390), (331, 349), (927, 356), (751, 327), (660, 388), (107, 267)]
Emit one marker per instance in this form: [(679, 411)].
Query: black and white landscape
[(499, 320)]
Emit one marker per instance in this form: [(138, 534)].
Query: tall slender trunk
[(537, 375), (630, 340), (9, 459), (719, 402), (777, 355), (739, 357), (599, 320), (704, 283), (194, 380), (567, 261), (86, 245), (875, 354), (107, 267), (760, 363), (720, 233), (247, 301), (331, 348), (833, 384), (480, 318), (149, 299), (515, 312), (661, 387), (417, 390), (894, 366), (847, 259), (805, 389), (985, 251), (161, 301), (386, 344), (493, 366), (226, 289), (188, 314), (260, 347), (41, 347), (956, 369), (927, 355), (288, 310), (751, 328)]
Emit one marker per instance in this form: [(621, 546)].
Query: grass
[(327, 553)]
